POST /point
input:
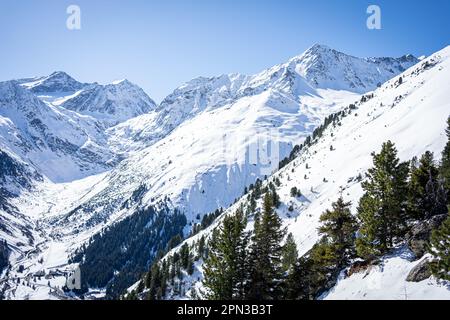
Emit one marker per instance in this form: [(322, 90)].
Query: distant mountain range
[(79, 159)]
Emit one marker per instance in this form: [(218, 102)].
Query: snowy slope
[(316, 80), (324, 67), (197, 150), (112, 103), (413, 115), (57, 82), (62, 145), (15, 177), (207, 141), (387, 282), (207, 161)]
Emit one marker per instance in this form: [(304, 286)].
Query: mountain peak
[(120, 81), (59, 74), (112, 103), (327, 68), (319, 47), (58, 81)]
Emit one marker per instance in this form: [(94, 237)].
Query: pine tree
[(275, 198), (190, 266), (381, 210), (155, 281), (266, 249), (426, 196), (298, 284), (295, 192), (201, 247), (445, 162), (338, 226), (289, 254), (370, 228), (225, 270), (440, 249)]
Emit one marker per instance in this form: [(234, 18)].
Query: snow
[(387, 281), (198, 146), (415, 122), (111, 104)]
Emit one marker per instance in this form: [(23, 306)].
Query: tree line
[(264, 263)]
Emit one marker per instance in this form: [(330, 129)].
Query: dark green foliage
[(289, 254), (266, 265), (381, 210), (338, 226), (274, 194), (207, 220), (154, 282), (201, 247), (318, 270), (128, 247), (174, 241), (427, 196), (225, 268), (313, 273), (440, 249), (297, 284), (277, 182), (270, 270), (295, 192), (445, 162)]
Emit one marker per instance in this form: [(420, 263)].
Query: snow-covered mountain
[(112, 103), (58, 82), (317, 80), (195, 152), (412, 113), (206, 141), (324, 67), (62, 145)]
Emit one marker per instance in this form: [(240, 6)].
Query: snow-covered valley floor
[(45, 264)]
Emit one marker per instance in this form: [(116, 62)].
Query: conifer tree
[(275, 198), (201, 247), (184, 255), (426, 196), (338, 226), (225, 270), (266, 249), (297, 284), (381, 210), (155, 281), (190, 266), (445, 162), (289, 254), (440, 249)]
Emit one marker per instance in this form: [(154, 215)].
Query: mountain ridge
[(194, 152)]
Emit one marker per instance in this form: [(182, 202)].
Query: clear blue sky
[(161, 44)]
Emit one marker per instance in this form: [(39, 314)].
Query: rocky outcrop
[(420, 234), (420, 272)]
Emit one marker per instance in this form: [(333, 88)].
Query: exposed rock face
[(4, 254), (360, 266), (420, 272), (420, 234)]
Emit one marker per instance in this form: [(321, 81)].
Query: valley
[(88, 160)]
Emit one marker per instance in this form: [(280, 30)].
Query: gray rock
[(420, 234), (420, 272)]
